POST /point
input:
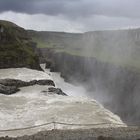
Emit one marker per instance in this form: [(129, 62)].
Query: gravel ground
[(125, 133)]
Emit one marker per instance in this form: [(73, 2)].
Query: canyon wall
[(116, 87)]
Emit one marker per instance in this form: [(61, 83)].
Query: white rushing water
[(31, 106), (71, 90)]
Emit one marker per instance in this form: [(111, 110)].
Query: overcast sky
[(72, 15)]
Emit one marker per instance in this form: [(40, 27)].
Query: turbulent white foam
[(31, 107), (70, 89), (24, 74)]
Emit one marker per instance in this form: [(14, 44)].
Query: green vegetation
[(43, 44), (16, 48), (56, 40), (120, 47)]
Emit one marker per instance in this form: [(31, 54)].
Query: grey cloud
[(74, 8)]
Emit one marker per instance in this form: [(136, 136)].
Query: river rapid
[(31, 106)]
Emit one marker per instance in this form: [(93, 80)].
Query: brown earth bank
[(128, 133), (117, 86)]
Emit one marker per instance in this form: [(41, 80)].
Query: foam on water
[(31, 106), (24, 74)]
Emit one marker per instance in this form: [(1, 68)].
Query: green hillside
[(56, 40), (16, 48)]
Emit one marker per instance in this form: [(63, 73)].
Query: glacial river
[(32, 107)]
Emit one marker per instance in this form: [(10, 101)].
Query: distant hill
[(16, 47), (120, 47), (59, 41)]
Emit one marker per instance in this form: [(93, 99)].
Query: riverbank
[(122, 133)]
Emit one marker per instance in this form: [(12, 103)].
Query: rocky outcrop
[(7, 90), (10, 86), (52, 90), (20, 83), (57, 91), (45, 82)]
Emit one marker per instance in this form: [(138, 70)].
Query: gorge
[(105, 63), (101, 66)]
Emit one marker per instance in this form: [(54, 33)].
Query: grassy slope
[(117, 47), (16, 47)]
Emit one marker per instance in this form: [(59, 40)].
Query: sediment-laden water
[(31, 106)]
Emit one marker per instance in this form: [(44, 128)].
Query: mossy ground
[(16, 48)]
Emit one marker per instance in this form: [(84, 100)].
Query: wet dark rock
[(20, 83), (8, 90), (49, 63), (45, 82), (57, 91), (17, 83), (10, 86)]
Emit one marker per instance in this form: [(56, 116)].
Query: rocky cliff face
[(105, 62), (116, 87), (16, 48)]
